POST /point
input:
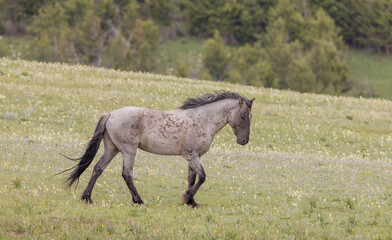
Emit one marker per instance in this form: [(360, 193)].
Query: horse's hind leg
[(127, 173), (109, 153)]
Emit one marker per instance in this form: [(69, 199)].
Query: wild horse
[(187, 131)]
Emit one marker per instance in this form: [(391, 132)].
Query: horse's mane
[(211, 98)]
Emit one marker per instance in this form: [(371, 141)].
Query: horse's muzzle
[(242, 141)]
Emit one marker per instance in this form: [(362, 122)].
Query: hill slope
[(316, 166), (371, 70), (370, 73)]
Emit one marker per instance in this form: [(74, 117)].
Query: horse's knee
[(127, 175), (202, 178), (192, 177), (98, 170)]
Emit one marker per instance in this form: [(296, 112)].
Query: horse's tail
[(89, 154)]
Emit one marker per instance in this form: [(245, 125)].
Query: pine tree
[(251, 67), (305, 50), (145, 37), (160, 11), (86, 32), (380, 36), (301, 77), (47, 27), (118, 54), (277, 42), (216, 57), (329, 67), (229, 17)]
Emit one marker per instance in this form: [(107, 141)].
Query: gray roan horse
[(187, 131)]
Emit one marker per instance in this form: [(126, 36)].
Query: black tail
[(90, 153)]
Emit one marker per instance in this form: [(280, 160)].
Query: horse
[(187, 131)]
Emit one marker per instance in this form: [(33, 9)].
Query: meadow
[(316, 166), (369, 73), (371, 70)]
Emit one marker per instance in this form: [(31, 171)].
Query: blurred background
[(338, 47)]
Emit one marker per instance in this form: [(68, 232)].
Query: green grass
[(14, 47), (188, 50), (371, 70), (316, 166)]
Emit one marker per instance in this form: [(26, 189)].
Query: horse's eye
[(242, 116)]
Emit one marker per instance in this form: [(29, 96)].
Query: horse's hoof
[(189, 201), (138, 202), (194, 205), (185, 199), (87, 200)]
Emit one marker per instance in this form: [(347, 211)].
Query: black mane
[(210, 98)]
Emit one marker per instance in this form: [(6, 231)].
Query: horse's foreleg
[(127, 173), (191, 182), (191, 177), (195, 168)]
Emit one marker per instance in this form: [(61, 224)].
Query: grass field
[(316, 167), (187, 50), (371, 70)]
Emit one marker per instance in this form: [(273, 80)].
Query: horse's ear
[(240, 100), (250, 103)]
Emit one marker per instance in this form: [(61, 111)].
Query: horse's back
[(160, 132)]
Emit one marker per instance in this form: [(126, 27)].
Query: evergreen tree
[(251, 67), (364, 23), (47, 27), (301, 77), (161, 11), (321, 26), (258, 11), (305, 50), (216, 57), (342, 14), (277, 42), (229, 17), (15, 15), (86, 32), (145, 37), (118, 54), (380, 35), (328, 66), (291, 16)]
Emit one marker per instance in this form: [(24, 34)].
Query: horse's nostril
[(244, 141)]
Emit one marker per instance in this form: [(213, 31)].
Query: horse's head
[(239, 120)]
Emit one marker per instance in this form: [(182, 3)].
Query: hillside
[(316, 166), (371, 70), (370, 73)]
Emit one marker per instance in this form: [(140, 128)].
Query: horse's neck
[(218, 112)]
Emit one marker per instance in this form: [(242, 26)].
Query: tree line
[(284, 44)]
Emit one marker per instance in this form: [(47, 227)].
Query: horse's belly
[(168, 144), (161, 147)]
